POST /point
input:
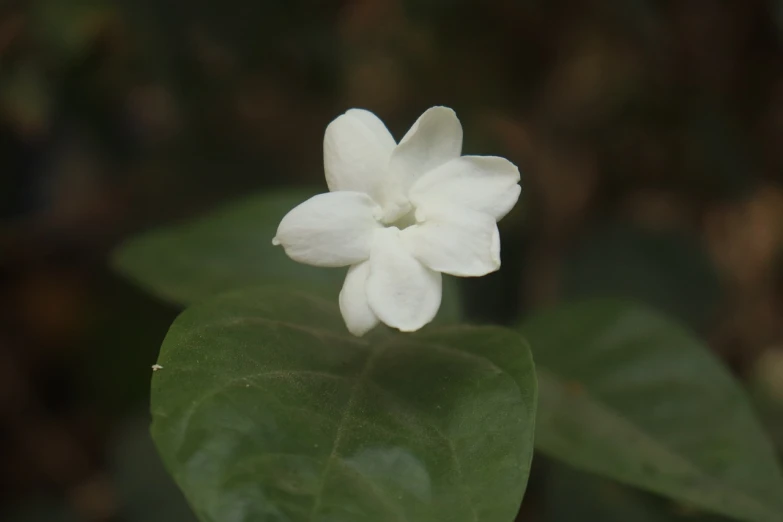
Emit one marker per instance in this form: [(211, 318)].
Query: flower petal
[(434, 139), (376, 127), (358, 316), (332, 229), (401, 291), (357, 148), (456, 241), (484, 183)]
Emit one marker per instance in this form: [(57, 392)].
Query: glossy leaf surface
[(265, 409)]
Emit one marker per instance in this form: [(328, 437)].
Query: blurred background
[(649, 134)]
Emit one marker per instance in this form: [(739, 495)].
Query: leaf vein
[(341, 427)]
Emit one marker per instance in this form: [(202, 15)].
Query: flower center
[(400, 214), (406, 220)]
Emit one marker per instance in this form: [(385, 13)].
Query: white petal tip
[(409, 330), (275, 241), (359, 332)]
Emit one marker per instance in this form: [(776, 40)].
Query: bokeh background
[(649, 134)]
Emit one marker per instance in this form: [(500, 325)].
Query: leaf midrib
[(345, 419), (361, 380), (344, 423)]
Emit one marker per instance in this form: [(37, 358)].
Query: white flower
[(399, 215)]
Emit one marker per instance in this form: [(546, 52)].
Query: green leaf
[(265, 409), (627, 394), (230, 249)]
